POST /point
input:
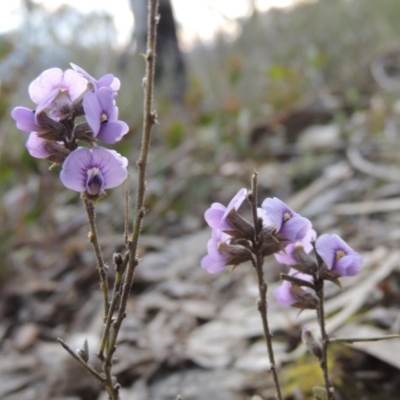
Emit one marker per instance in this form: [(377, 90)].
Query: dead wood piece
[(385, 173), (332, 176), (367, 207)]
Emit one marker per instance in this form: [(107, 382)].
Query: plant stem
[(116, 295), (88, 368), (150, 118), (262, 285), (319, 288), (358, 340), (101, 267)]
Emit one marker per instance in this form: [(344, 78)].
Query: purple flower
[(338, 256), (214, 261), (108, 80), (53, 83), (102, 116), (286, 257), (93, 170), (37, 146), (289, 225), (217, 213), (25, 119), (287, 294)]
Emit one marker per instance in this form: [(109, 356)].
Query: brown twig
[(93, 238), (358, 340), (150, 118), (262, 285), (319, 290)]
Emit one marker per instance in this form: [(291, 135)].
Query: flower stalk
[(150, 118), (258, 263)]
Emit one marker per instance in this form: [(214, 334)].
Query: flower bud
[(52, 130), (270, 242), (84, 351), (312, 345), (241, 228), (304, 262), (234, 254)]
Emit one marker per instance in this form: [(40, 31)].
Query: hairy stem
[(101, 266), (319, 285), (85, 365), (148, 123), (120, 267), (262, 285)]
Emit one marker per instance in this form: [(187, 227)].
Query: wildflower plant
[(278, 230), (57, 133)]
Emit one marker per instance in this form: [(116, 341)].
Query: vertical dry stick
[(150, 117), (262, 285)]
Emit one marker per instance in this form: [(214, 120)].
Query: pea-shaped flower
[(108, 80), (338, 256), (217, 213), (286, 256), (102, 116), (93, 170), (53, 83), (215, 261), (290, 294), (289, 225)]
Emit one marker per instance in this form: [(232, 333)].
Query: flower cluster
[(289, 237), (61, 97)]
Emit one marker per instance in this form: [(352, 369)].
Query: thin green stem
[(101, 266)]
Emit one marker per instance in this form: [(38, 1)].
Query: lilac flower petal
[(53, 81), (47, 81), (236, 202), (295, 228), (114, 173), (81, 71), (339, 257), (283, 294), (326, 246), (75, 168), (214, 261), (106, 101), (95, 182), (123, 161), (74, 83), (108, 80), (105, 81), (212, 265), (213, 216), (115, 85), (25, 119), (112, 131), (267, 221), (349, 265), (37, 146), (286, 257), (216, 214), (93, 112), (276, 209)]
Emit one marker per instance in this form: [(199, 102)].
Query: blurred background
[(305, 92)]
